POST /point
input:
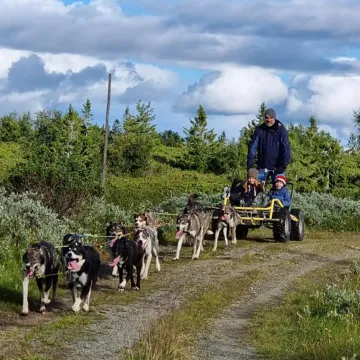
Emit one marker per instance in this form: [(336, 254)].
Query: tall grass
[(314, 322)]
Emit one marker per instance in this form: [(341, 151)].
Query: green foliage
[(86, 111), (94, 215), (173, 156), (171, 138), (324, 211), (141, 123), (149, 191), (199, 141), (132, 142), (62, 163), (24, 220), (11, 154), (15, 128), (314, 322)]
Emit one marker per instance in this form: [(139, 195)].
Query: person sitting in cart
[(243, 193), (278, 191)]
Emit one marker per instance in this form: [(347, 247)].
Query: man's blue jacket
[(272, 145)]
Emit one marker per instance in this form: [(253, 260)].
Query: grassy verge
[(173, 336), (315, 321)]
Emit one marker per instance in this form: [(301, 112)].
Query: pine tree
[(200, 141), (86, 111), (141, 123)]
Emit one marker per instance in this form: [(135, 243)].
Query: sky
[(300, 57)]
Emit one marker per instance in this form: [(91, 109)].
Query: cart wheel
[(297, 227), (282, 228), (242, 232)]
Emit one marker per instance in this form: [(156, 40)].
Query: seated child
[(244, 193), (279, 191)]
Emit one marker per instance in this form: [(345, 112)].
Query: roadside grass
[(318, 319), (172, 337)]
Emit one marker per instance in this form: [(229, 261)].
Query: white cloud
[(331, 99), (234, 90), (73, 78), (20, 103)]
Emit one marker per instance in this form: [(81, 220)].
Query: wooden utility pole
[(103, 178)]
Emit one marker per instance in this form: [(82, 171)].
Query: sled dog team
[(82, 262)]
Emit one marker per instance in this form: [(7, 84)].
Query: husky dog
[(225, 218), (42, 262), (193, 205), (127, 254), (146, 235), (83, 264), (114, 231), (195, 225)]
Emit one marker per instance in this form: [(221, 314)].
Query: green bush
[(10, 155), (326, 212), (139, 193)]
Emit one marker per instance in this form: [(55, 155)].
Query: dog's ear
[(135, 216), (66, 239)]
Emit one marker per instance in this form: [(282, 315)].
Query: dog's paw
[(195, 257), (214, 249), (24, 313), (135, 288), (233, 242), (42, 309), (175, 258), (121, 289), (86, 307), (75, 308)]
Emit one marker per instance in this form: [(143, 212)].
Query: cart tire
[(242, 232), (282, 228), (297, 227)]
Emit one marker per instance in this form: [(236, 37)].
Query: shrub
[(24, 220), (326, 212), (139, 193)]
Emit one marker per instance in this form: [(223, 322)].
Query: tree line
[(59, 155)]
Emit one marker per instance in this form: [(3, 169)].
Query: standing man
[(271, 143)]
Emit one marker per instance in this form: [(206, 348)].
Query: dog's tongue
[(178, 234), (223, 217), (30, 273), (74, 265), (112, 242), (115, 261)]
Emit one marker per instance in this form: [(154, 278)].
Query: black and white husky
[(42, 262), (83, 264)]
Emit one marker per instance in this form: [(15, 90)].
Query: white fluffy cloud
[(331, 99), (234, 90)]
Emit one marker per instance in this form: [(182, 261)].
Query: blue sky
[(299, 56)]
